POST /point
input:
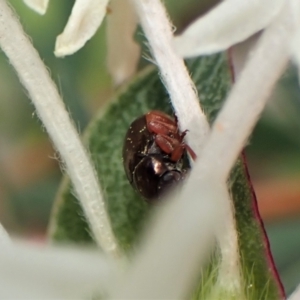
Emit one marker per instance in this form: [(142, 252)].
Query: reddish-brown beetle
[(167, 135), (154, 154)]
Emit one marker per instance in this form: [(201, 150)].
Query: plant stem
[(38, 272), (248, 98), (4, 236), (296, 294), (51, 110), (159, 33), (178, 233), (120, 29)]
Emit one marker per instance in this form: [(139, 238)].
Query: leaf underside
[(128, 212)]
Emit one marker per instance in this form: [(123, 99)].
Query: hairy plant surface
[(128, 212)]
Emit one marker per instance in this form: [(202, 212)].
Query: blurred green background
[(30, 173)]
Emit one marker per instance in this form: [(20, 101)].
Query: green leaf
[(128, 212)]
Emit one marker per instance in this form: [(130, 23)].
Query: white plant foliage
[(4, 236), (171, 242), (123, 53), (229, 277), (295, 43), (51, 110), (43, 272), (232, 21), (241, 52), (39, 6), (181, 235), (158, 31), (248, 96), (85, 19), (173, 72), (178, 243), (295, 46), (296, 294)]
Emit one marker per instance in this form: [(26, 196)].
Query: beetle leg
[(176, 124), (161, 128), (158, 116), (177, 152), (173, 146), (164, 143), (183, 134), (190, 151), (160, 123)]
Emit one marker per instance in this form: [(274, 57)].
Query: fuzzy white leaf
[(230, 22), (86, 17), (295, 49), (240, 53), (295, 43), (51, 110), (180, 236), (296, 294), (178, 244), (123, 51), (173, 72), (248, 96), (4, 236), (31, 272), (40, 6)]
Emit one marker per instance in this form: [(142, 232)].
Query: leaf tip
[(39, 6)]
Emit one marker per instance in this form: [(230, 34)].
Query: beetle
[(155, 155)]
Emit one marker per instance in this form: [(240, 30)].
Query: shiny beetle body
[(154, 154)]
